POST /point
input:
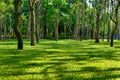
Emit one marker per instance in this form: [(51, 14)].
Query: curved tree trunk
[(116, 23), (17, 24)]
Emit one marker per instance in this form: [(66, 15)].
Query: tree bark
[(17, 24), (28, 28), (119, 31), (5, 32), (83, 22), (99, 15), (56, 28), (37, 21), (77, 22), (56, 25), (108, 34), (116, 23), (0, 27), (32, 13)]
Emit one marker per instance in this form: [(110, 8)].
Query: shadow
[(59, 61)]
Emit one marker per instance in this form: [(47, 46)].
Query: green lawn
[(62, 60)]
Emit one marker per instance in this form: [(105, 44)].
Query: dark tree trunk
[(32, 28), (116, 23), (32, 13), (5, 32), (17, 24), (108, 34), (119, 31), (0, 27), (45, 31), (65, 31), (99, 15)]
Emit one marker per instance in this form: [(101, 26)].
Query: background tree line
[(59, 19)]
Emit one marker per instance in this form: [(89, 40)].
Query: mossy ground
[(62, 60)]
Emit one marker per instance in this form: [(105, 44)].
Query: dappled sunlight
[(62, 60)]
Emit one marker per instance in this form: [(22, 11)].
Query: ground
[(62, 60)]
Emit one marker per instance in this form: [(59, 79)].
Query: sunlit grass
[(62, 60)]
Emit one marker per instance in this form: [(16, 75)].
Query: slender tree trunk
[(65, 31), (119, 31), (32, 13), (10, 27), (116, 23), (83, 22), (108, 34), (28, 28), (77, 23), (94, 15), (56, 28), (103, 35), (70, 31), (17, 24), (0, 27), (5, 32), (56, 25), (37, 21), (32, 27), (99, 15)]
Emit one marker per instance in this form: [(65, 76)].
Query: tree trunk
[(32, 28), (83, 22), (10, 27), (65, 31), (0, 27), (108, 34), (99, 15), (17, 24), (77, 23), (32, 13), (5, 32), (116, 23), (56, 29), (119, 31), (28, 28), (37, 21), (56, 25), (94, 15)]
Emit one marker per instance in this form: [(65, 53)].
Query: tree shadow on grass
[(17, 62)]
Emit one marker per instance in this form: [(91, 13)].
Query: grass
[(62, 60)]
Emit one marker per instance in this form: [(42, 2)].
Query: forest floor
[(62, 60)]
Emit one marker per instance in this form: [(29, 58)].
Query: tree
[(0, 27), (77, 20), (17, 23), (32, 14), (99, 15), (37, 26), (116, 22)]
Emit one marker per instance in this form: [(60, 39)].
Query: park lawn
[(62, 60)]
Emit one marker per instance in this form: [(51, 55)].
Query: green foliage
[(2, 7)]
